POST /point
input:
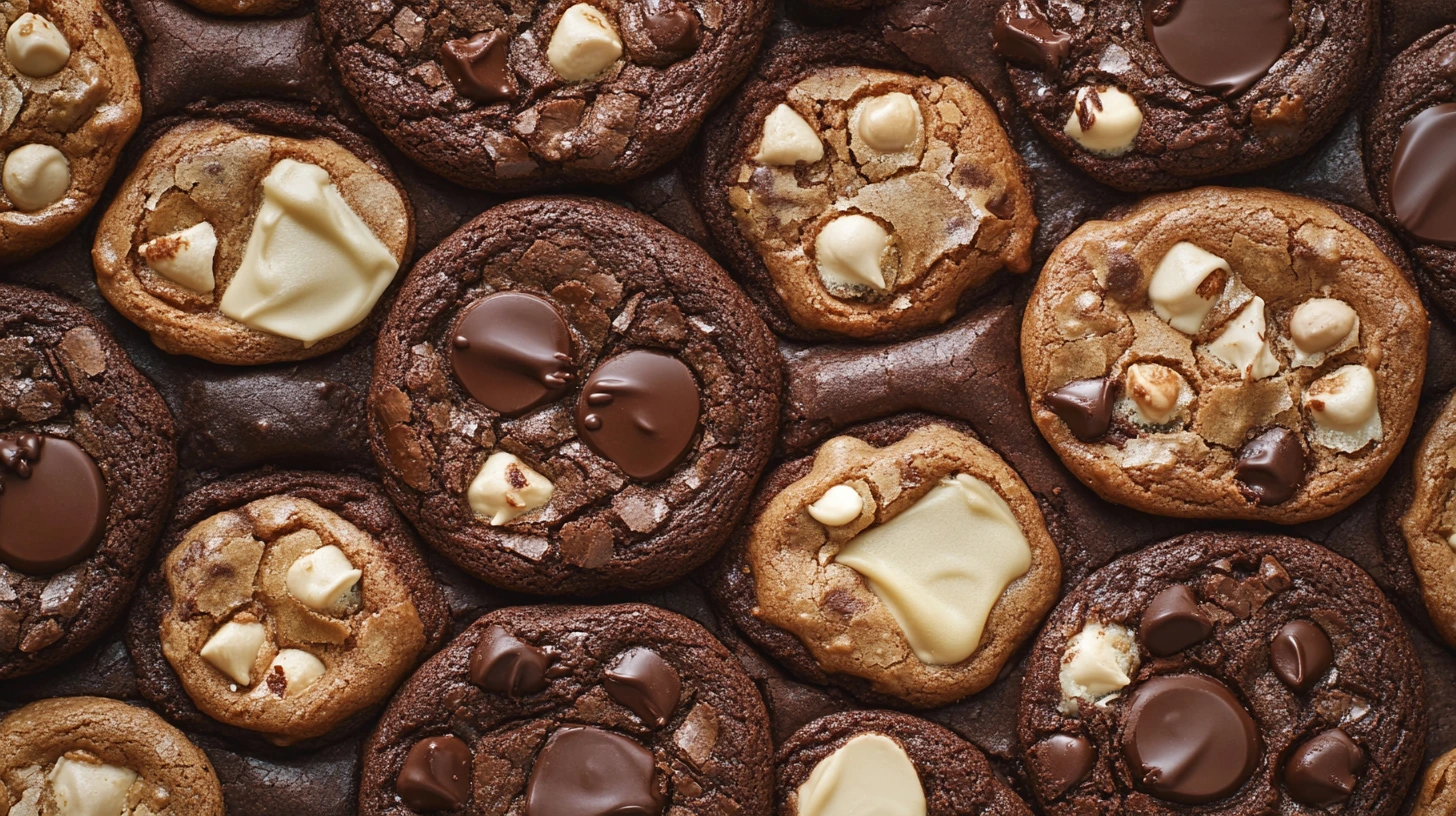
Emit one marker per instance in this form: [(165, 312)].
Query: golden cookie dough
[(1438, 788), (1429, 526)]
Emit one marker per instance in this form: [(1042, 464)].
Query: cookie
[(1437, 796), (287, 606), (513, 98), (261, 235), (87, 464), (571, 709), (903, 560), (1223, 353), (1429, 523), (857, 198), (569, 398), (1408, 130), (883, 762), (69, 100), (91, 755), (1224, 673), (247, 8)]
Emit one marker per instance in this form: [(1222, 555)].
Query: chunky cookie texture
[(569, 398), (236, 243), (858, 199), (567, 709), (1437, 795), (1155, 94), (1226, 353), (516, 97), (1429, 523), (69, 100), (1224, 672)]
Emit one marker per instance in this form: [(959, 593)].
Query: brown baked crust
[(1430, 520), (1437, 796)]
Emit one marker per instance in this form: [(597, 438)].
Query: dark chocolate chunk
[(1224, 45), (504, 664), (1085, 405), (436, 775), (671, 25), (477, 66), (1300, 654), (1189, 739), (1061, 762), (1173, 622), (645, 683), (1423, 176), (1023, 35), (512, 352), (586, 771), (640, 410), (1271, 466), (53, 503), (1325, 770)]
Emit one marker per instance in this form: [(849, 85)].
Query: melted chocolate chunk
[(1224, 45), (512, 352), (53, 503), (1061, 762), (1301, 653), (1325, 770), (1024, 35), (503, 664), (640, 410), (1423, 176), (1085, 405), (671, 25), (477, 67), (645, 683), (586, 771), (1271, 466), (1173, 622), (1189, 740), (436, 775)]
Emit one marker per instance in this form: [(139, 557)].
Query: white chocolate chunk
[(788, 139), (850, 250), (889, 123), (1244, 343), (1320, 325), (1156, 392), (941, 565), (871, 775), (1115, 122), (35, 177), (299, 668), (506, 488), (1099, 661), (838, 506), (1178, 291), (312, 267), (584, 43), (35, 46), (1344, 406), (322, 579), (89, 789), (184, 257), (234, 648)]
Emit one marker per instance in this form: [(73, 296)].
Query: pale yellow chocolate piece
[(35, 176), (838, 506), (312, 268), (1320, 324), (1344, 407), (1115, 121), (850, 251), (298, 669), (507, 488), (1185, 286), (788, 139), (323, 580), (1244, 343), (889, 123), (90, 789), (1156, 392), (234, 649), (35, 46), (871, 775), (584, 44), (184, 257), (1099, 661)]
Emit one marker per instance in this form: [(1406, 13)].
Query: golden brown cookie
[(1438, 789), (1429, 526)]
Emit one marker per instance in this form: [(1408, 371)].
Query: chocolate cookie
[(87, 464), (1224, 353), (903, 560), (69, 100), (90, 756), (1408, 133), (1157, 94), (569, 398), (1224, 673), (855, 197), (262, 236), (1429, 524), (528, 97), (551, 710), (876, 762), (288, 606)]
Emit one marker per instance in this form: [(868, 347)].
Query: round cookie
[(69, 100), (569, 709), (513, 98), (1429, 524), (1438, 795), (903, 561), (1158, 94), (855, 198), (261, 234), (288, 606), (1408, 131), (1224, 673), (898, 763), (1222, 353), (87, 464), (570, 398), (91, 755)]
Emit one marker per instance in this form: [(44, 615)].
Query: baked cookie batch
[(872, 412)]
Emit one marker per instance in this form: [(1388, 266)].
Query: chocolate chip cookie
[(569, 398), (87, 464), (1429, 524), (1158, 94), (288, 606), (568, 709), (1223, 353), (857, 198), (260, 235), (903, 560), (517, 97), (883, 762), (1438, 795), (1224, 673)]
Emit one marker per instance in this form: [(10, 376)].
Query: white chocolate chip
[(35, 177), (184, 257), (889, 123), (299, 671), (1114, 121), (1186, 284), (869, 775), (1344, 406), (1156, 392), (35, 46), (1320, 324), (1099, 661), (506, 488), (788, 139), (850, 251), (234, 648), (1244, 343), (322, 579), (838, 506), (82, 788), (584, 44)]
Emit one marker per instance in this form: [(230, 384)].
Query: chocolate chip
[(512, 352), (1271, 466), (640, 410), (1221, 45), (1061, 762), (504, 664), (53, 506), (1325, 770), (1301, 653), (1085, 405), (1188, 739), (588, 770), (671, 25), (1024, 35), (1423, 176), (1173, 622), (436, 775), (477, 67), (645, 683)]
